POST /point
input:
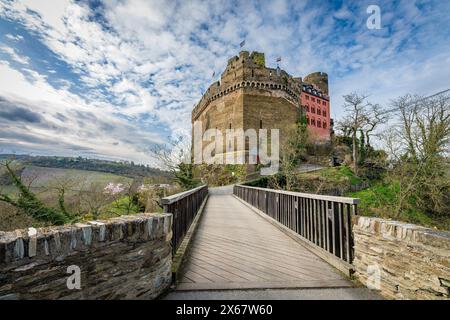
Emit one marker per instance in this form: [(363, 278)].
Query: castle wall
[(269, 110)]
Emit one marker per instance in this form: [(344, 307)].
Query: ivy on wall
[(259, 59)]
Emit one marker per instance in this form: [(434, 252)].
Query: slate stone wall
[(122, 258), (404, 261)]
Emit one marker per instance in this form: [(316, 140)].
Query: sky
[(110, 79)]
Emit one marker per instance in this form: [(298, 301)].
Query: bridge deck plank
[(234, 248)]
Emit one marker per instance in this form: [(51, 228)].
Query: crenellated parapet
[(248, 72)]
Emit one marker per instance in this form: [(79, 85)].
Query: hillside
[(123, 168)]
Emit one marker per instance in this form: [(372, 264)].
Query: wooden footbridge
[(242, 237)]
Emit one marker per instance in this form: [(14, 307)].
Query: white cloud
[(17, 37), (14, 56), (146, 62), (84, 124)]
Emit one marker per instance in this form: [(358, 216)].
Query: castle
[(250, 95)]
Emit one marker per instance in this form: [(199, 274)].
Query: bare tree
[(419, 148), (94, 197), (375, 117), (175, 156), (424, 125), (356, 108)]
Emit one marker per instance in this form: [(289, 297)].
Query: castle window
[(318, 112), (307, 120), (313, 110), (324, 113), (324, 103), (313, 99), (313, 122), (307, 108), (260, 124), (253, 73), (318, 123), (324, 125), (307, 97), (230, 126)]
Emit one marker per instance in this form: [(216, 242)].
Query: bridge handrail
[(307, 195), (178, 196), (325, 222), (184, 207)]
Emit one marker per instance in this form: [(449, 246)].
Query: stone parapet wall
[(122, 258), (412, 262)]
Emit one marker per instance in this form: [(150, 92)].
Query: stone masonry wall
[(413, 262), (123, 258)]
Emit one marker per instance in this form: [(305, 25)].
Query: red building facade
[(316, 105)]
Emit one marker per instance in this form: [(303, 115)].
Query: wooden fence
[(325, 221), (184, 206)]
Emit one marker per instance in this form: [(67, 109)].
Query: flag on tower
[(214, 74), (278, 59), (242, 43)]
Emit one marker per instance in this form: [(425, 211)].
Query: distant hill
[(123, 168)]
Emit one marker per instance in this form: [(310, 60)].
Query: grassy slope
[(324, 180), (338, 174), (379, 201), (46, 177)]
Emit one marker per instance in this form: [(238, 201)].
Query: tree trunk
[(355, 154)]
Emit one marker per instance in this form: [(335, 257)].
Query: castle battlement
[(248, 72)]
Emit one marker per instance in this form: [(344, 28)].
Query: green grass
[(118, 208), (47, 177), (337, 175), (380, 201), (340, 174)]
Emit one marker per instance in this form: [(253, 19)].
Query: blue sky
[(110, 79)]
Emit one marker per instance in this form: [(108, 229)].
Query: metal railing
[(184, 206), (325, 221)]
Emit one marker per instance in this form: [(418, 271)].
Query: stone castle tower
[(250, 95)]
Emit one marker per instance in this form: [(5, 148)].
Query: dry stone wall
[(403, 261), (123, 258)]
